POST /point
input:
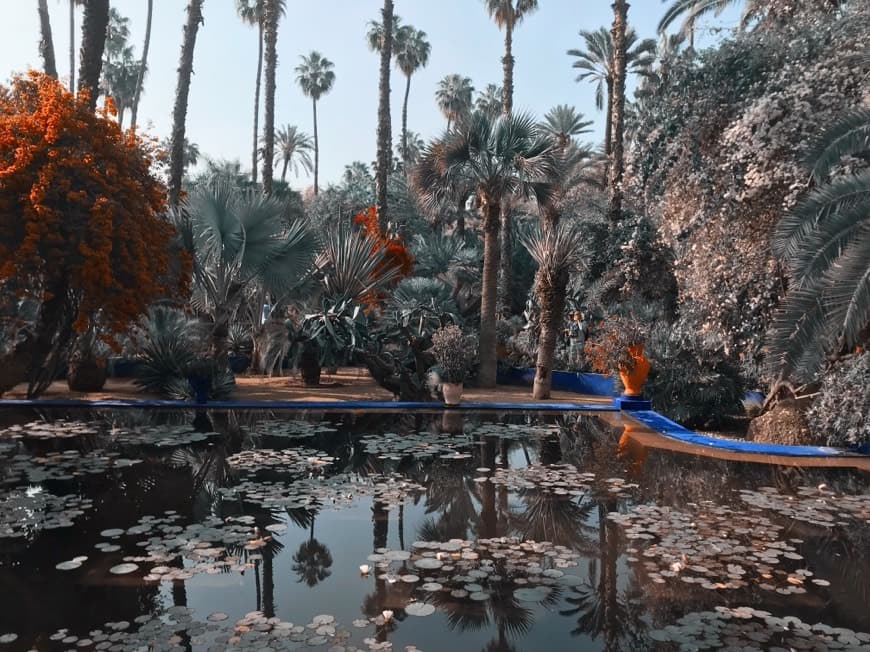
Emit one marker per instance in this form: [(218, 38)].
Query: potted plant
[(617, 348), (454, 353), (87, 363), (328, 338)]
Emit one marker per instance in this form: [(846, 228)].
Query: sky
[(220, 114)]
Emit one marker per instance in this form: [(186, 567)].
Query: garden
[(709, 260)]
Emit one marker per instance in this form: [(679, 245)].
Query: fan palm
[(313, 561), (120, 78), (294, 146), (562, 123), (271, 16), (501, 158), (489, 101), (596, 64), (411, 53), (825, 241), (409, 149), (315, 77), (507, 14), (182, 91), (239, 239), (454, 98), (556, 250)]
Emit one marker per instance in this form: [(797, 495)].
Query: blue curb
[(302, 405), (674, 430)]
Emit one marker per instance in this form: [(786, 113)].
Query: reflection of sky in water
[(615, 606)]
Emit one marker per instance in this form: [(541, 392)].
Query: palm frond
[(849, 136)]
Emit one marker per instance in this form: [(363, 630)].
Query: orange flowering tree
[(81, 232), (396, 255)]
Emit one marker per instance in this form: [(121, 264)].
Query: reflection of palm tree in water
[(312, 562)]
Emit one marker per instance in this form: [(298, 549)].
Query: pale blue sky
[(464, 40)]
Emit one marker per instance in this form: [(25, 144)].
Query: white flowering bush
[(841, 412)]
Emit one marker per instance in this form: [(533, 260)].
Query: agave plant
[(825, 241)]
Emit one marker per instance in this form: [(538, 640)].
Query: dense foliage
[(841, 413)]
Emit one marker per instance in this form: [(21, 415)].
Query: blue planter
[(200, 386), (239, 363)]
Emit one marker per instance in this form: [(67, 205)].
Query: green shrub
[(692, 379), (841, 412)]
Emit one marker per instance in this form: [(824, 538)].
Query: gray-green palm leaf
[(825, 241), (294, 150), (489, 100), (454, 98), (562, 123), (693, 10)]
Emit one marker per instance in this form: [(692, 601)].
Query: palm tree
[(271, 15), (94, 29), (412, 54), (316, 77), (179, 112), (46, 43), (596, 64), (408, 149), (693, 10), (562, 123), (501, 158), (825, 241), (119, 79), (508, 14), (384, 134), (143, 66), (294, 146), (489, 101), (313, 561), (72, 43), (454, 98), (617, 159), (557, 251)]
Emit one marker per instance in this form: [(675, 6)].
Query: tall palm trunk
[(284, 170), (608, 130), (46, 43), (257, 101), (94, 24), (486, 375), (140, 78), (270, 41), (385, 138), (405, 125), (551, 292), (505, 269), (316, 145), (72, 46), (179, 113), (620, 20)]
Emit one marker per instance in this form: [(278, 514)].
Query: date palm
[(454, 98), (489, 101), (294, 147), (411, 53), (315, 77), (825, 241), (693, 10), (46, 43), (94, 32), (596, 64), (500, 158), (562, 123), (179, 111), (617, 158)]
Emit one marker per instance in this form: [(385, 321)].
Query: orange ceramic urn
[(633, 380)]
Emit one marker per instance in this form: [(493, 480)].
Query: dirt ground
[(348, 384)]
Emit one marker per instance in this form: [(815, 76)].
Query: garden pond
[(396, 530)]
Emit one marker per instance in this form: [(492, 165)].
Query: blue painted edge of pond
[(304, 405), (674, 430)]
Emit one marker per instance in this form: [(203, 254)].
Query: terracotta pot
[(633, 381), (86, 375), (452, 393)]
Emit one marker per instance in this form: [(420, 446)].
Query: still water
[(425, 531)]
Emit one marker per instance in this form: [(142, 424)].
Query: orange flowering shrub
[(396, 254), (80, 211)]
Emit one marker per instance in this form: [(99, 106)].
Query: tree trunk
[(552, 296), (270, 41), (316, 146), (284, 170), (608, 131), (46, 44), (72, 46), (620, 19), (94, 24), (257, 83), (121, 111), (460, 216), (140, 79), (486, 376), (179, 113), (506, 257), (385, 139), (52, 338), (405, 126)]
